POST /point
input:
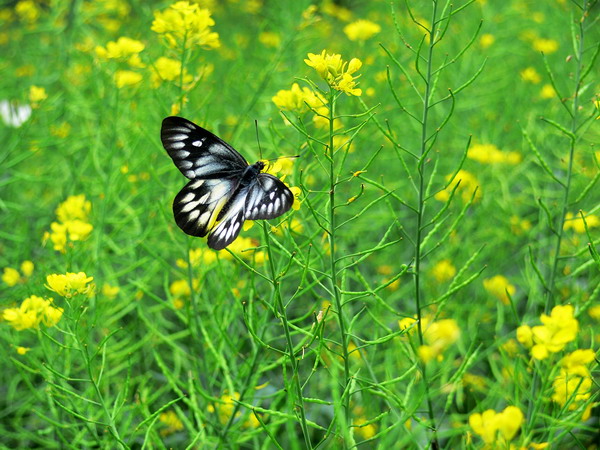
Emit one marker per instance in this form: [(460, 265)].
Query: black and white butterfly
[(224, 190)]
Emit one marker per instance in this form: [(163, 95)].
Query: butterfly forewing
[(200, 202), (267, 198), (197, 152)]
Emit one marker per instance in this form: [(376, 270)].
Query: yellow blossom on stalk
[(123, 49), (33, 311), (361, 426), (499, 287), (70, 284), (171, 421), (11, 276), (443, 271), (490, 154), (167, 69), (339, 12), (298, 99), (181, 288), (124, 78), (594, 312), (497, 428), (575, 222), (186, 24), (575, 363), (439, 335), (297, 202), (28, 11), (468, 184), (519, 226), (335, 71), (574, 390), (361, 30), (486, 40), (22, 350), (530, 75), (110, 291), (74, 207), (545, 45), (27, 268), (558, 329)]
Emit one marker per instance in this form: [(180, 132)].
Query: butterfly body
[(224, 190)]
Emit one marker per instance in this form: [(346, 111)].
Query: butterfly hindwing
[(198, 153), (267, 198), (231, 223), (199, 203)]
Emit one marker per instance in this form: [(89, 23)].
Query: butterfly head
[(259, 165)]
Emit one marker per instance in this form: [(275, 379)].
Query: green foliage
[(438, 285)]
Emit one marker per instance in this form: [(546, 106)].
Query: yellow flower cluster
[(530, 75), (490, 154), (37, 95), (575, 222), (32, 312), (224, 409), (439, 335), (546, 46), (497, 428), (336, 72), (11, 276), (186, 25), (558, 329), (468, 184), (125, 50), (361, 30), (443, 271), (70, 284), (573, 386), (499, 287), (300, 100), (171, 421), (72, 225), (167, 69)]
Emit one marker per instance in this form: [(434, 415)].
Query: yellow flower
[(27, 268), (33, 311), (547, 92), (348, 86), (576, 223), (486, 40), (124, 49), (61, 130), (181, 288), (594, 312), (124, 78), (468, 184), (171, 422), (297, 202), (489, 423), (519, 226), (185, 23), (109, 291), (557, 330), (335, 71), (74, 207), (500, 288), (530, 75), (269, 39), (364, 430), (443, 271), (572, 389), (36, 95), (22, 350), (11, 276), (490, 154), (167, 69), (333, 9), (525, 336), (361, 30), (545, 45), (575, 363), (298, 99), (70, 284), (28, 11)]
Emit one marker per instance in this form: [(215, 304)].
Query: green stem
[(567, 188), (337, 295), (420, 219), (288, 338)]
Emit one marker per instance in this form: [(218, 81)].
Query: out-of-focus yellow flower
[(500, 287), (361, 30), (109, 291), (298, 99), (186, 24), (74, 207), (297, 202), (547, 92), (468, 184), (546, 46), (37, 94), (486, 40), (11, 277), (495, 427), (558, 329), (575, 222), (594, 312), (439, 335), (530, 75), (181, 288), (361, 426), (167, 69), (333, 9), (575, 363), (269, 39), (572, 389), (124, 78), (171, 422), (443, 271), (123, 49), (27, 268), (60, 130), (70, 284), (525, 336), (519, 226), (22, 350), (28, 11), (490, 154), (32, 312)]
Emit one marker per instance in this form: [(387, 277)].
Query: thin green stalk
[(289, 342), (420, 219), (567, 187), (337, 295)]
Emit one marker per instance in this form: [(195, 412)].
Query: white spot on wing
[(277, 204), (182, 154), (270, 209), (190, 206), (176, 137), (197, 143), (196, 184), (271, 195), (176, 145), (193, 215), (190, 125), (188, 197), (184, 164), (204, 218)]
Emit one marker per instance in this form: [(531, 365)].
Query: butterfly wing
[(199, 203), (267, 198), (198, 153)]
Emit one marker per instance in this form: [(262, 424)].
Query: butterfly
[(224, 190)]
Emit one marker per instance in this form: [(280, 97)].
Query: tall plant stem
[(420, 219)]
